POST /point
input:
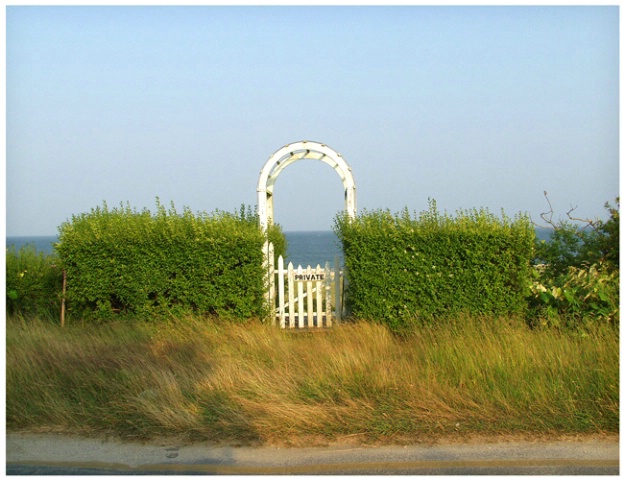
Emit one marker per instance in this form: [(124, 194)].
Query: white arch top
[(289, 154)]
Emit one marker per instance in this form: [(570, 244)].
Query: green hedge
[(403, 270), (125, 263)]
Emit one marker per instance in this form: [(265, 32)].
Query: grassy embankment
[(253, 383)]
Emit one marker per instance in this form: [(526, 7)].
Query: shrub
[(404, 269), (585, 297), (125, 263), (33, 283), (576, 281), (580, 243)]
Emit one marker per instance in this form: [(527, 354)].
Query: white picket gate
[(304, 297)]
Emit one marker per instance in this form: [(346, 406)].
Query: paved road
[(59, 455)]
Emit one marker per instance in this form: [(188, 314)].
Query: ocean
[(312, 248), (304, 248)]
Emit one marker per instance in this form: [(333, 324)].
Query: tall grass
[(254, 383)]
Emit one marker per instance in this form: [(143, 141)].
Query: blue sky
[(471, 106)]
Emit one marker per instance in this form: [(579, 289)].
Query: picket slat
[(309, 300), (301, 311), (318, 299)]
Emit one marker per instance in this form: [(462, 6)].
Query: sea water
[(40, 243), (312, 248)]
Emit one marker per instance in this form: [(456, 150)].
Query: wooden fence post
[(290, 289), (271, 283), (337, 289), (281, 285), (329, 300), (62, 302)]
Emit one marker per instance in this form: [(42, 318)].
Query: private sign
[(309, 277)]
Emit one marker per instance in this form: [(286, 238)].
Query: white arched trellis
[(289, 154)]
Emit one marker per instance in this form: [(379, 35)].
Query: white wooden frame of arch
[(289, 154)]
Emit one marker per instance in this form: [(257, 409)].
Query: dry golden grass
[(205, 380)]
